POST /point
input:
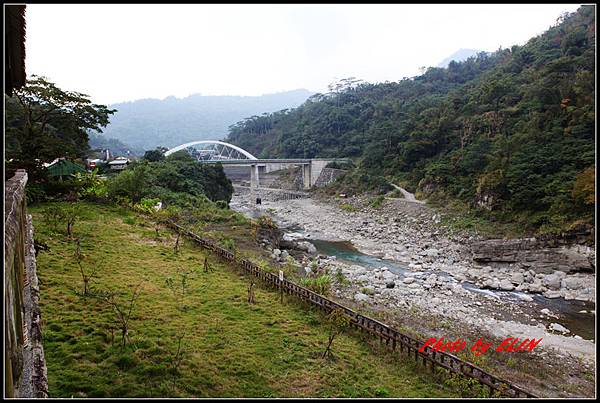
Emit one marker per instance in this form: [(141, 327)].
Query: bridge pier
[(306, 175), (254, 180)]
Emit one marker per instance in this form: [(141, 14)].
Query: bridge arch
[(224, 145)]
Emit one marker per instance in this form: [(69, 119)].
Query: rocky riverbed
[(415, 262)]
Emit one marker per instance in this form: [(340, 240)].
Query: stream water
[(569, 315), (582, 324)]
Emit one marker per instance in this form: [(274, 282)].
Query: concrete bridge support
[(306, 176), (254, 181)]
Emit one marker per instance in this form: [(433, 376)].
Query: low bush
[(320, 285)]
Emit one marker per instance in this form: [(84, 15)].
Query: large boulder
[(540, 255), (537, 286), (506, 285), (558, 328), (573, 283), (552, 281), (517, 278)]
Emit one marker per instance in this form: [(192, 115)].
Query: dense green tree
[(154, 155), (44, 122)]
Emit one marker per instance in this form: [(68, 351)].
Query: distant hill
[(459, 56), (116, 147), (148, 123)]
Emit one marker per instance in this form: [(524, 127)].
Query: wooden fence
[(393, 339)]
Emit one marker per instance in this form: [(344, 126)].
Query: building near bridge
[(119, 163)]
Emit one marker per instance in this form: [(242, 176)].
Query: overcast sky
[(120, 53)]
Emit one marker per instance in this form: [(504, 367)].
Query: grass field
[(227, 347)]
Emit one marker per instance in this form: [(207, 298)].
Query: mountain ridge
[(151, 122)]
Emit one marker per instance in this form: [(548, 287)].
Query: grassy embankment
[(229, 348)]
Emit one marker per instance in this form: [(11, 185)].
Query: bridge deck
[(273, 161)]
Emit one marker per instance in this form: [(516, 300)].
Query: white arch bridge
[(214, 151)]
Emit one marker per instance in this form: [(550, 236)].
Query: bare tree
[(123, 311), (251, 292), (338, 321), (85, 276), (179, 289), (176, 247)]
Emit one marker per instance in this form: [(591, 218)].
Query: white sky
[(120, 53)]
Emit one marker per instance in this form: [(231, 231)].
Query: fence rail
[(392, 338)]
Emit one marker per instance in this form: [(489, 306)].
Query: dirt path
[(407, 195)]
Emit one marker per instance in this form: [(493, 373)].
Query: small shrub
[(53, 216), (222, 204), (146, 205), (367, 291), (228, 243), (91, 187), (340, 278), (347, 207), (129, 220), (377, 201), (381, 392), (35, 193), (320, 285), (67, 215)]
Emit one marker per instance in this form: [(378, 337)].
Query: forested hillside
[(149, 123), (511, 133)]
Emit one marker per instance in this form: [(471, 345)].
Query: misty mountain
[(148, 123), (459, 56), (118, 148)]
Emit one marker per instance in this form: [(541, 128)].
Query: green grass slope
[(229, 348)]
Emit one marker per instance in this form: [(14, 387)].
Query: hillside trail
[(410, 197)]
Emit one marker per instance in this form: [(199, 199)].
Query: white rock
[(552, 281), (506, 285), (517, 278), (525, 298), (558, 327), (536, 286), (359, 297), (292, 236), (552, 294), (362, 278), (432, 252), (573, 283), (408, 280)]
